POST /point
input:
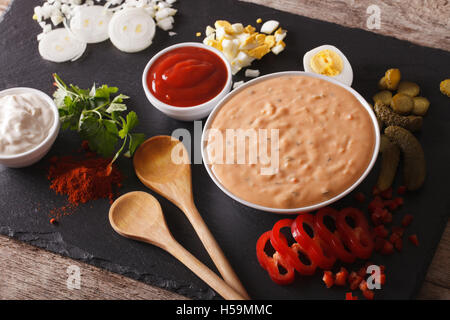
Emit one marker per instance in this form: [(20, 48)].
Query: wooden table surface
[(28, 272)]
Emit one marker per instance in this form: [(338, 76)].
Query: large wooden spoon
[(162, 164), (138, 215)]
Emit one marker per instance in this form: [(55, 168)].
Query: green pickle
[(421, 105), (414, 165), (384, 96), (402, 103), (390, 118), (409, 88), (392, 78), (389, 163)]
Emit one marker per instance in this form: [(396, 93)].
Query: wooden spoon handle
[(202, 271), (213, 249)]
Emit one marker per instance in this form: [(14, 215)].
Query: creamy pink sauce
[(326, 141)]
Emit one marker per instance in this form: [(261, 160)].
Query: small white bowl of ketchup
[(187, 80)]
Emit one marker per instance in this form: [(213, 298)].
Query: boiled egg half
[(329, 61)]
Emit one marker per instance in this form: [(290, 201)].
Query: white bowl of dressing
[(33, 152), (314, 206)]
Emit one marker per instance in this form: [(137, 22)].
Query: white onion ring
[(59, 45), (131, 30)]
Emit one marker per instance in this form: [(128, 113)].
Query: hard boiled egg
[(329, 61)]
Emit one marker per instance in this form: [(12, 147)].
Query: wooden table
[(28, 272)]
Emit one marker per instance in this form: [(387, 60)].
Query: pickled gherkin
[(390, 118), (409, 88), (414, 165), (392, 78), (384, 96), (389, 163), (445, 87), (421, 106), (402, 103)]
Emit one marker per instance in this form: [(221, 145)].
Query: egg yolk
[(327, 62)]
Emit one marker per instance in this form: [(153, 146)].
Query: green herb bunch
[(98, 117)]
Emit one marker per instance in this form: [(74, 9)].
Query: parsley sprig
[(98, 117)]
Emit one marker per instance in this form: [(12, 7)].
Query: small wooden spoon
[(162, 164), (138, 215)]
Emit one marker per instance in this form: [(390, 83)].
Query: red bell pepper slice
[(358, 239), (318, 251), (271, 264), (290, 253), (332, 238)]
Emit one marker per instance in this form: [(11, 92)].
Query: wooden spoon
[(162, 164), (138, 215)]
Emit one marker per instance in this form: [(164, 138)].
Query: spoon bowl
[(142, 207), (160, 159), (162, 164), (138, 216)]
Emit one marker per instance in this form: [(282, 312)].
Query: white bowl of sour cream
[(325, 137), (29, 125)]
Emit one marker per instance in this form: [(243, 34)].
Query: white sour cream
[(25, 121)]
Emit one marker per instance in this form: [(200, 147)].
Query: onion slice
[(59, 45), (90, 23), (131, 30)]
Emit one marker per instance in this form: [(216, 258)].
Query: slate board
[(25, 198)]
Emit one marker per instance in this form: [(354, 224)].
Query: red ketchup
[(187, 76)]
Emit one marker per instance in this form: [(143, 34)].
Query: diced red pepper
[(398, 244), (394, 237), (354, 280), (399, 201), (363, 285), (362, 272), (407, 219), (380, 231), (368, 294), (328, 278), (413, 239), (398, 230), (377, 216), (341, 277), (377, 202), (387, 217), (360, 197), (401, 190), (388, 248), (382, 279), (386, 194), (349, 296)]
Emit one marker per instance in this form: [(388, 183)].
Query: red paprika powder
[(84, 178)]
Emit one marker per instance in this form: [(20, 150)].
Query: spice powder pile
[(85, 179)]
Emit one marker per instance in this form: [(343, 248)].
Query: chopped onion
[(90, 23)]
